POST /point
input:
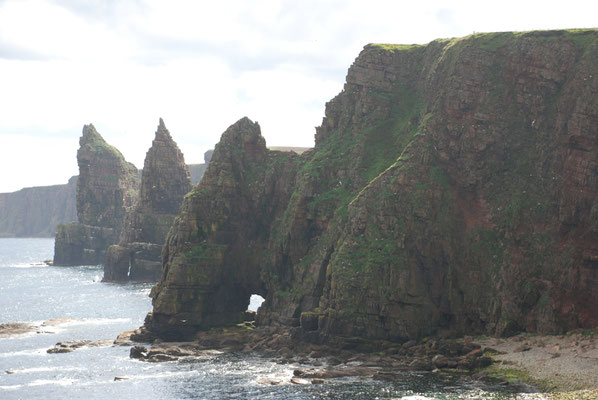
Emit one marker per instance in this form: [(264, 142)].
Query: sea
[(72, 304)]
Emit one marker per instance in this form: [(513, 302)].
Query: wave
[(11, 387), (25, 265), (166, 374), (54, 325), (30, 352), (45, 369), (95, 321), (57, 382)]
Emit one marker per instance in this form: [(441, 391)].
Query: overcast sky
[(123, 64)]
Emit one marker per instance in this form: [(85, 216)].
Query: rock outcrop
[(217, 244), (453, 188), (165, 181), (37, 211), (107, 186)]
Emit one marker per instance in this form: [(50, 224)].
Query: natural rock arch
[(214, 256)]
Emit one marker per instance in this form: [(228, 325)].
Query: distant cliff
[(197, 170), (164, 182), (453, 188), (107, 186), (36, 211)]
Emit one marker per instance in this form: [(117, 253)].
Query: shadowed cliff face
[(214, 251), (453, 187), (165, 181), (106, 187)]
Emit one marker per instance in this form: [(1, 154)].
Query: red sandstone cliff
[(453, 187)]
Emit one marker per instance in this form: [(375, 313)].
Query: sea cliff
[(36, 211), (452, 189)]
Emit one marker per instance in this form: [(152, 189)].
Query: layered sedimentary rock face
[(452, 187), (214, 251), (107, 184), (106, 187), (165, 181)]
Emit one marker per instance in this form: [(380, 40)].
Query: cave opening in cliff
[(255, 301)]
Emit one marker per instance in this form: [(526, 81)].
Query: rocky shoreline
[(340, 358), (552, 366), (12, 329)]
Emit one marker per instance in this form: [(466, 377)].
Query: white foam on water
[(91, 321), (56, 382), (166, 374), (30, 352), (28, 265), (45, 369), (11, 387)]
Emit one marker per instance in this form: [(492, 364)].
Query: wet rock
[(160, 357), (317, 354), (138, 352), (270, 381), (317, 381), (15, 328), (120, 378), (474, 353), (483, 362), (420, 364), (124, 339), (67, 347), (440, 361), (466, 363)]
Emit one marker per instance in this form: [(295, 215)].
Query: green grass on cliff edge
[(493, 40), (396, 47), (98, 145)]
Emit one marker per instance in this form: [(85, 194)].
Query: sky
[(201, 66)]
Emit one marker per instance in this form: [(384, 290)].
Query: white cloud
[(47, 161), (203, 65)]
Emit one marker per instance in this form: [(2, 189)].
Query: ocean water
[(81, 307)]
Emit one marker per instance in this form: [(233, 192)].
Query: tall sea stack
[(453, 188), (165, 181), (107, 186)]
